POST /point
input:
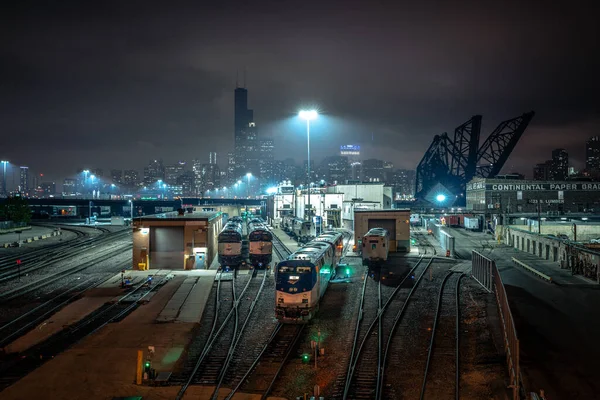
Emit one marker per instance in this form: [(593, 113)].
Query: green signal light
[(305, 357), (347, 271)]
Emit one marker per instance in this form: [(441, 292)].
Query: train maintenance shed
[(176, 240), (395, 221)]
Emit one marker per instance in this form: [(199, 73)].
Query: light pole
[(248, 175), (308, 115)]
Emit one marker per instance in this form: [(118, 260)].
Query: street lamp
[(248, 175), (308, 115)]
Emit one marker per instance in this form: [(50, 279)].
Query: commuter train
[(230, 245), (300, 229), (261, 245), (301, 280), (375, 247)]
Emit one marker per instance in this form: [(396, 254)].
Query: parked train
[(300, 229), (261, 244), (301, 280), (230, 244), (375, 247)]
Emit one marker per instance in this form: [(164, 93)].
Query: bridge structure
[(77, 209), (450, 162)]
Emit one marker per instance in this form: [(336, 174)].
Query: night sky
[(117, 83)]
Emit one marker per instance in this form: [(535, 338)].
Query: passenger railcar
[(261, 245), (375, 247), (301, 280), (230, 245), (336, 240)]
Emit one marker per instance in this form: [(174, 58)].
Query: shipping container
[(472, 223)]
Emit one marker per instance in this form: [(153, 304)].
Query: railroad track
[(281, 249), (68, 293), (46, 258), (210, 365), (51, 278), (374, 331), (30, 254), (445, 340), (424, 244), (14, 366), (266, 368)]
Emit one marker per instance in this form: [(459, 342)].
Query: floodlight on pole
[(308, 115), (440, 197)]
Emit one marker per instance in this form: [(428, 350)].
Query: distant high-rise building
[(212, 157), (210, 177), (48, 189), (154, 172), (174, 171), (23, 179), (69, 187), (117, 176), (372, 170), (97, 172), (542, 171), (186, 181), (305, 171), (592, 156), (247, 148), (334, 170), (197, 170), (231, 170), (266, 161), (403, 181), (131, 178), (560, 165), (3, 183), (388, 172)]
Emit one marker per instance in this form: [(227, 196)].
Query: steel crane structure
[(449, 163)]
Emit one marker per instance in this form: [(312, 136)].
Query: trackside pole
[(138, 374)]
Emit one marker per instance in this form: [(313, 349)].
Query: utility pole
[(539, 217)]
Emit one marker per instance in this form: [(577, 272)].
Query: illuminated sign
[(350, 150), (533, 186)]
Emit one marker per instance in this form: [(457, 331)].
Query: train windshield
[(261, 237), (297, 270), (229, 237)]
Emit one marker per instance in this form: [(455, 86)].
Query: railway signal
[(19, 268), (305, 358)]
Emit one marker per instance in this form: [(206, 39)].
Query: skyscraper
[(23, 179), (560, 165), (542, 171), (266, 161), (117, 176), (154, 172), (592, 156), (130, 178), (174, 171), (212, 157), (247, 149), (373, 170)]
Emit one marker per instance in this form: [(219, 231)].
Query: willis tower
[(246, 153)]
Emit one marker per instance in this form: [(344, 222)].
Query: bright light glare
[(308, 115), (440, 197), (93, 176), (248, 175), (272, 190), (239, 182)]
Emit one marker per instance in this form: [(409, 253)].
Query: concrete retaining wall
[(31, 239)]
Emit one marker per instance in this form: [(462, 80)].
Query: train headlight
[(280, 300)]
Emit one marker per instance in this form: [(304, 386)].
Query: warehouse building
[(176, 240), (523, 196), (396, 222)]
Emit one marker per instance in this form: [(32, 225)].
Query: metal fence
[(486, 273), (481, 270)]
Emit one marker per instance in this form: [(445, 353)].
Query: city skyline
[(170, 96)]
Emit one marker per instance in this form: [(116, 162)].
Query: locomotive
[(301, 280)]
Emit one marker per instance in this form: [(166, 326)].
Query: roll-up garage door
[(166, 247), (387, 224)]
